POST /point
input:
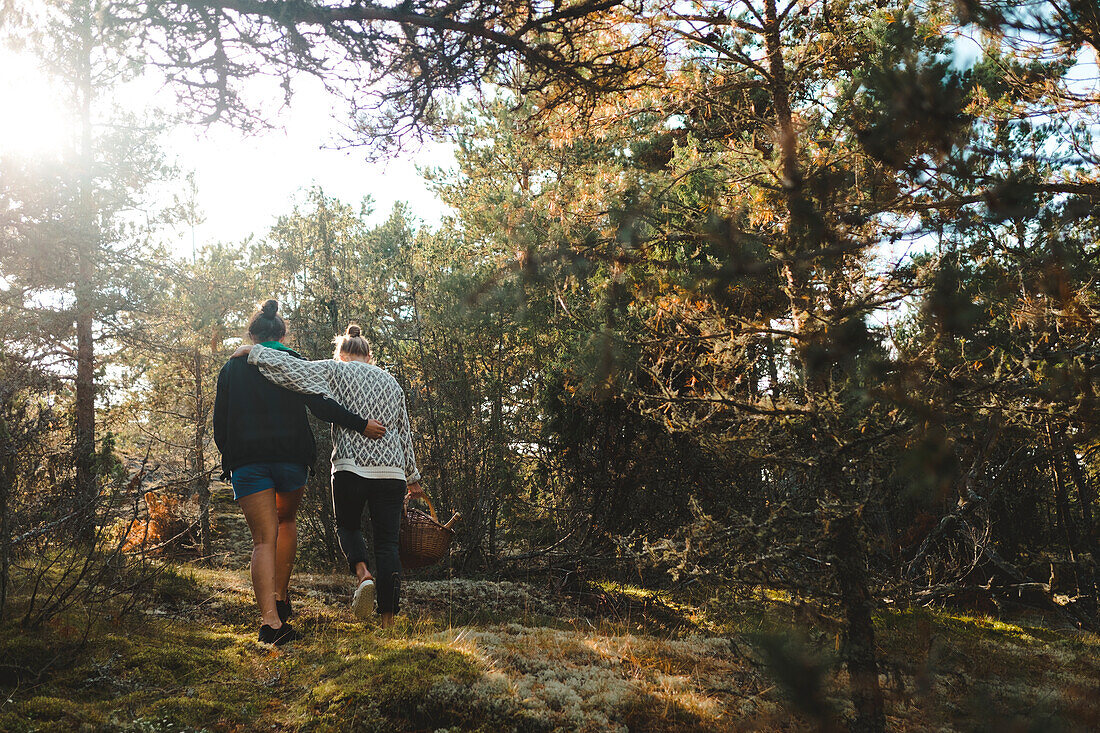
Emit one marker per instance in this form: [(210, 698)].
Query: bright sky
[(32, 118), (244, 182)]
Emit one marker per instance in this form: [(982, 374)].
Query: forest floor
[(473, 654)]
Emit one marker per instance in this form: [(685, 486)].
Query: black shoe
[(278, 636), (283, 608)]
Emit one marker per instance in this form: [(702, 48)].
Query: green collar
[(276, 345)]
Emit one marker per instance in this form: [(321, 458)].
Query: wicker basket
[(424, 540)]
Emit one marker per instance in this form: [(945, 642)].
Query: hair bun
[(270, 308), (354, 331)]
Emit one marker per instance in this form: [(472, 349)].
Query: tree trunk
[(324, 498), (1086, 571), (1055, 444), (84, 442), (7, 479), (798, 208), (496, 433), (859, 643), (773, 368), (198, 458), (787, 139), (1085, 492), (87, 487), (438, 456), (1061, 506)]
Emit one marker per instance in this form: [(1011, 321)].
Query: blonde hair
[(352, 343)]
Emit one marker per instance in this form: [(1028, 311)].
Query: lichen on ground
[(479, 655)]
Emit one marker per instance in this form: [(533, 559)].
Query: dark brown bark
[(859, 643), (1085, 492), (198, 458), (438, 456), (7, 478), (84, 433), (787, 138), (84, 442), (773, 369), (797, 239), (294, 14), (328, 516), (1086, 537), (1061, 506), (496, 433), (1066, 521), (396, 58)]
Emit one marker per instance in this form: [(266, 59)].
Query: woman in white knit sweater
[(374, 473)]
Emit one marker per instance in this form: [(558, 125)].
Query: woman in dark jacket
[(374, 473), (267, 451)]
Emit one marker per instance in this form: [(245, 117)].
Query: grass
[(476, 655), (1007, 673)]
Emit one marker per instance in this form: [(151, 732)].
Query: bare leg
[(259, 512), (387, 620), (361, 571), (286, 508)]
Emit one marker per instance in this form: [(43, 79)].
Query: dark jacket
[(257, 422)]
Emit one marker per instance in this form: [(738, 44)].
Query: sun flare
[(34, 121)]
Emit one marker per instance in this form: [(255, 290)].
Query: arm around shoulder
[(290, 371)]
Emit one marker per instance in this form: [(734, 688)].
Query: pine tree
[(67, 244)]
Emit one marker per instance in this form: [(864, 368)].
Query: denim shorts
[(256, 477)]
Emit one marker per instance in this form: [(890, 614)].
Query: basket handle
[(424, 498)]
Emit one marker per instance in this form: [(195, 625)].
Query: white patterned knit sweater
[(368, 391)]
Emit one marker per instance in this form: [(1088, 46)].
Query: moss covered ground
[(482, 655)]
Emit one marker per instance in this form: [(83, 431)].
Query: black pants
[(384, 497)]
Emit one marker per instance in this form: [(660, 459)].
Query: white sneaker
[(362, 603)]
